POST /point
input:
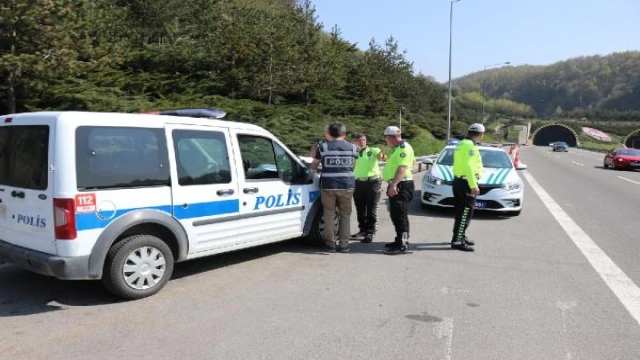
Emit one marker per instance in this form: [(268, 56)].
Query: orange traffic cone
[(517, 159)]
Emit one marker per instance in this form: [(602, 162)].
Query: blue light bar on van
[(196, 113)]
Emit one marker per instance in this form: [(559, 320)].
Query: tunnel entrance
[(555, 132), (633, 140)]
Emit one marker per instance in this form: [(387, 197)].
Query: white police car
[(501, 188), (122, 197)]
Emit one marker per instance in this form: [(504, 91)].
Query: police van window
[(202, 157), (121, 157), (258, 158), (24, 156), (286, 165)]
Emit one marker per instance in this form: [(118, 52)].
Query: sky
[(487, 32)]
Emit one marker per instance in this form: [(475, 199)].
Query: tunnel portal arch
[(555, 132), (633, 140)]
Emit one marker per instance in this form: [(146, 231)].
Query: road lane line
[(445, 330), (577, 163), (622, 286), (629, 180)]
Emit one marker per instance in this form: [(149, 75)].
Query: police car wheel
[(137, 267)]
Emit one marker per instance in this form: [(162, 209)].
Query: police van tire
[(315, 237), (120, 253)]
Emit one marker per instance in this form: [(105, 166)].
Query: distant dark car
[(623, 159), (561, 146)]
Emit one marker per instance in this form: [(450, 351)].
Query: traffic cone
[(517, 159)]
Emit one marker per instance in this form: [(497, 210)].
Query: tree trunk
[(11, 78), (271, 74)]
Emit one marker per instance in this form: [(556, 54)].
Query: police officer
[(337, 184), (467, 170), (368, 187), (398, 172), (316, 145)]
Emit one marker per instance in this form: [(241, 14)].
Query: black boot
[(462, 246), (469, 241)]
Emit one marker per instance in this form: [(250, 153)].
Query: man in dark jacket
[(337, 183)]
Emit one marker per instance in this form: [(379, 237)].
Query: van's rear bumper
[(67, 268)]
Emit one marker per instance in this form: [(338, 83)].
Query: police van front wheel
[(137, 267), (316, 235)]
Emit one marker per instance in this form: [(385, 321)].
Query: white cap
[(392, 131), (479, 128)]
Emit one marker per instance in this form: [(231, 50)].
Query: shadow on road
[(619, 170), (24, 293)]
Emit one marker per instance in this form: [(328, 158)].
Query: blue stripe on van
[(206, 209), (90, 221), (313, 196)]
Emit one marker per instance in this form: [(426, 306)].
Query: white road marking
[(620, 284), (445, 330), (564, 306), (629, 180), (577, 163)]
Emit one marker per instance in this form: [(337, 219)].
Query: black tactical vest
[(338, 160)]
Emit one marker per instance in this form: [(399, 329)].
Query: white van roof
[(130, 119)]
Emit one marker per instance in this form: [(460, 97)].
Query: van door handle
[(252, 190), (18, 194), (225, 192)]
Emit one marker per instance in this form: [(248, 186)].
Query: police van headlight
[(432, 180), (513, 186)]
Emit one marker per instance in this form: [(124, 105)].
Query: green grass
[(598, 146)]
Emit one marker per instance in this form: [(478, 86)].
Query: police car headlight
[(432, 180), (513, 186)]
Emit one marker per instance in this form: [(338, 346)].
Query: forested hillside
[(264, 61), (601, 87)]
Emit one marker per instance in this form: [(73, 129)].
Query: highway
[(558, 282)]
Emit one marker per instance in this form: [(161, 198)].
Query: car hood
[(491, 176)]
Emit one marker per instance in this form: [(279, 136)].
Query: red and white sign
[(85, 203)]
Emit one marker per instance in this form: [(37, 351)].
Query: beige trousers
[(339, 200)]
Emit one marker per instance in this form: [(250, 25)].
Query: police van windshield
[(490, 159)]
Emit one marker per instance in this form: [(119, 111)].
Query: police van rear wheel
[(137, 267)]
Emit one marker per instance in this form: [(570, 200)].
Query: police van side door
[(204, 185), (272, 205)]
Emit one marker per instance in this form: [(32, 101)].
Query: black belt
[(368, 178)]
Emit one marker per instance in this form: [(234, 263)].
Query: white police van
[(122, 197)]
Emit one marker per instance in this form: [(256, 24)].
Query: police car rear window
[(24, 155), (120, 157)]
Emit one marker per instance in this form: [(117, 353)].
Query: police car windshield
[(490, 159)]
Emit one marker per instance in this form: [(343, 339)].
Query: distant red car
[(623, 159)]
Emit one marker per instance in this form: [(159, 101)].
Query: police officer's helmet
[(477, 128)]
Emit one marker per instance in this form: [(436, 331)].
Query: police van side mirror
[(427, 162), (305, 175)]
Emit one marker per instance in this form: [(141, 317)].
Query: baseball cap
[(479, 128), (392, 131)]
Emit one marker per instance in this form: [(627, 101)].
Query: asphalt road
[(528, 292)]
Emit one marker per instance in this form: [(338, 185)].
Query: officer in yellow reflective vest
[(398, 172), (467, 170), (368, 187)]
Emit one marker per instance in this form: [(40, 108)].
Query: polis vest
[(338, 159)]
